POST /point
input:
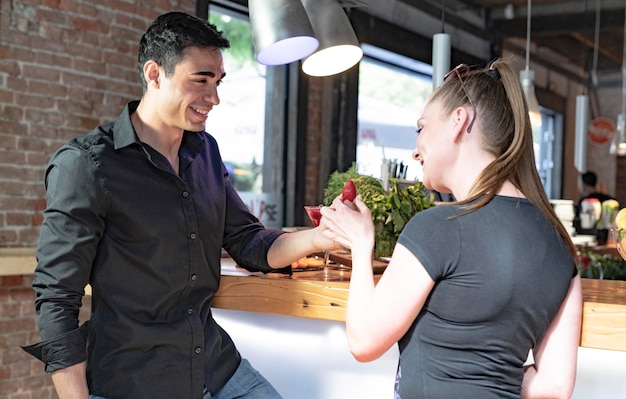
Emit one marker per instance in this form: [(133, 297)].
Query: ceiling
[(563, 32)]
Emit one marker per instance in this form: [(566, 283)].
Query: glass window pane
[(238, 122), (392, 93)]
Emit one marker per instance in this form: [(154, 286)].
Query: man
[(139, 209), (588, 188)]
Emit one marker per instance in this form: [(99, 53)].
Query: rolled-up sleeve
[(246, 240), (73, 224), (64, 351)]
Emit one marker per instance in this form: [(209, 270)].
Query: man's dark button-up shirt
[(148, 241)]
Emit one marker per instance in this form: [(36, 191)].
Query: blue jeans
[(246, 383)]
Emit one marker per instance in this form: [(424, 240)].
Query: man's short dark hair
[(590, 179), (170, 34)]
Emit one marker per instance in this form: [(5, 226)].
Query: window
[(547, 143), (238, 122), (392, 92)]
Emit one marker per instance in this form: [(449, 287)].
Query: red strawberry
[(349, 191)]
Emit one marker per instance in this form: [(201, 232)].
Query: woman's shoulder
[(435, 217)]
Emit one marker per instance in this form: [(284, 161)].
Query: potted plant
[(391, 209)]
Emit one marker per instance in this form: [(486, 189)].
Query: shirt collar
[(124, 134), (123, 131)]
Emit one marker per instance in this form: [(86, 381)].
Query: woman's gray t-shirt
[(501, 274)]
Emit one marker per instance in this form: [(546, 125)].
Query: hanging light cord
[(596, 38), (443, 15), (528, 37), (624, 67)]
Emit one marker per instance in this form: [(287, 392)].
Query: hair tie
[(494, 73)]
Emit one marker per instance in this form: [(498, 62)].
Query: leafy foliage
[(390, 210), (239, 34), (367, 186), (594, 265)]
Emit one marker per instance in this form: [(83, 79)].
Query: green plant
[(391, 210), (601, 266)]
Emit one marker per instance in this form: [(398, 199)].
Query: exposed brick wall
[(66, 66), (620, 181), (21, 375), (314, 142)]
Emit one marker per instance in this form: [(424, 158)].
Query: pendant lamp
[(339, 49), (619, 145), (582, 124), (527, 79), (441, 52), (582, 113), (281, 31)]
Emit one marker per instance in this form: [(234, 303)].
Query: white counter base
[(309, 359)]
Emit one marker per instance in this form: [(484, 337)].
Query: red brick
[(25, 237), (85, 24), (6, 96), (52, 32), (21, 294), (16, 84), (9, 66), (23, 54), (54, 16), (17, 219), (28, 280), (11, 281), (9, 310), (88, 10), (37, 219), (14, 341), (13, 113), (8, 387), (52, 3), (16, 325), (31, 144), (8, 237)]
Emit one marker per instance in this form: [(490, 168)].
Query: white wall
[(309, 359)]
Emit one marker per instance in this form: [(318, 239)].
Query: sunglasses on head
[(457, 73)]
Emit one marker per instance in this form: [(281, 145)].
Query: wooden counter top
[(604, 308), (604, 314)]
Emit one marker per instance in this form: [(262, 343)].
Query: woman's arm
[(554, 371), (378, 315)]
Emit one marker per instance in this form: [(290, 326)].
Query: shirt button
[(185, 194), (189, 311), (194, 277), (192, 236), (198, 350)]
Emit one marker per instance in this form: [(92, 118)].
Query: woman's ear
[(461, 121)]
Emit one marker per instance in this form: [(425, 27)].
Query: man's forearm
[(292, 246), (71, 382)]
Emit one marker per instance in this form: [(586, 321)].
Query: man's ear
[(151, 73)]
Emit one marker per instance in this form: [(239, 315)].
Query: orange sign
[(601, 130)]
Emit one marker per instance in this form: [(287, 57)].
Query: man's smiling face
[(186, 97)]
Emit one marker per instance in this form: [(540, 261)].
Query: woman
[(473, 285)]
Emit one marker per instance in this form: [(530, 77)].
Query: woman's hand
[(349, 224)]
